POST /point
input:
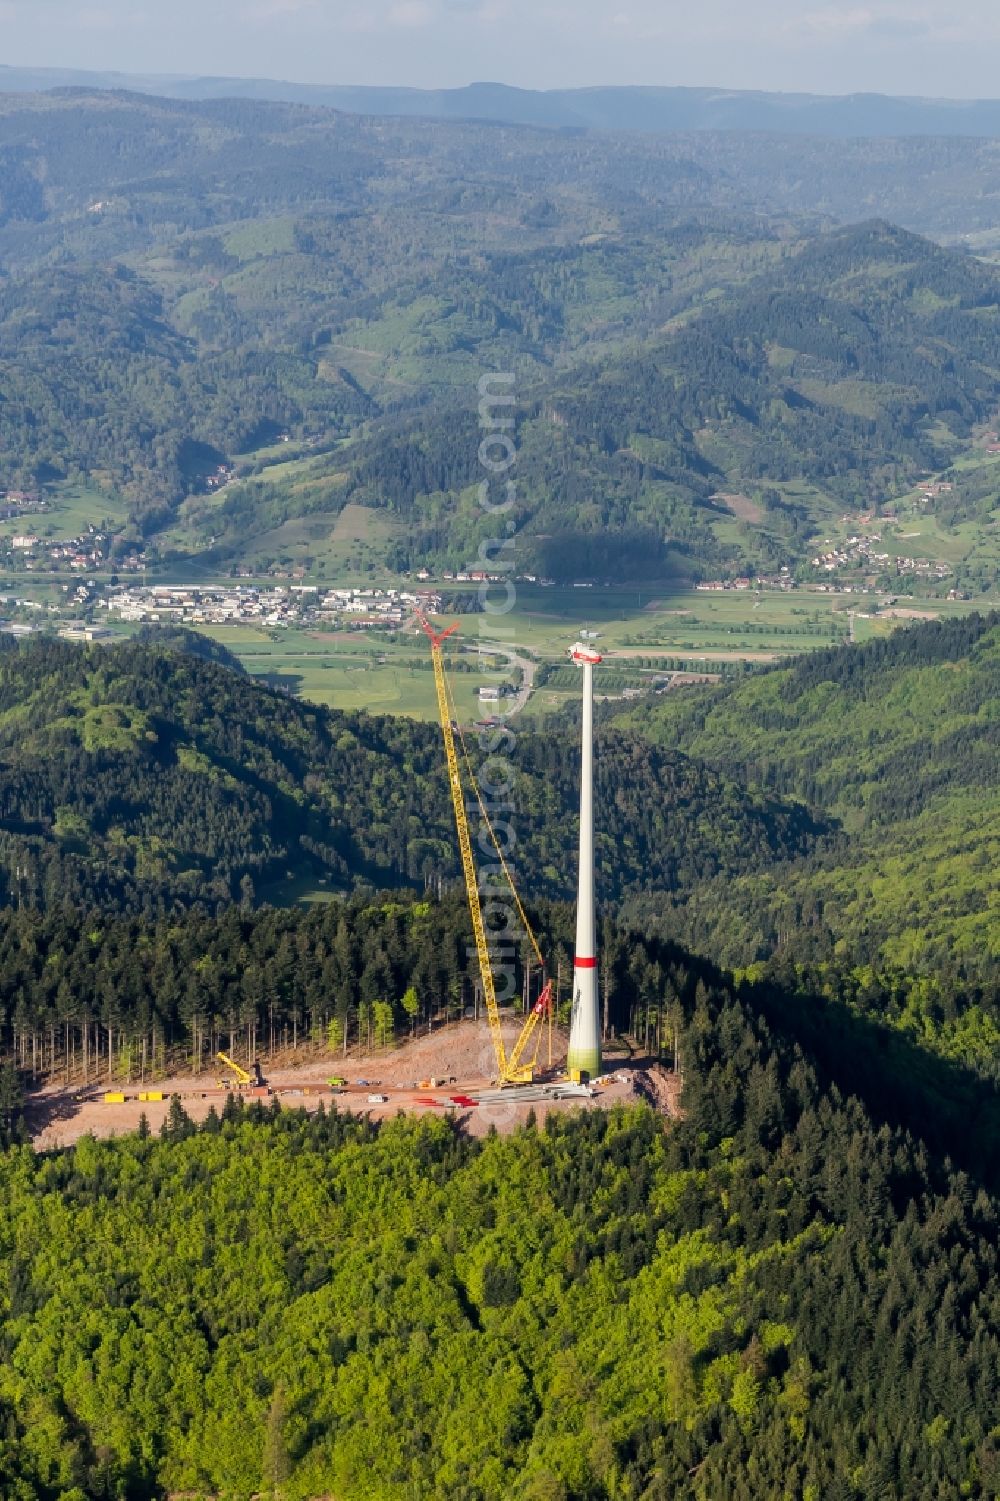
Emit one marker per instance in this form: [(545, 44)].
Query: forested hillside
[(849, 366), (795, 1286), (924, 182), (839, 814), (142, 778), (897, 741), (95, 379), (844, 807), (186, 283)]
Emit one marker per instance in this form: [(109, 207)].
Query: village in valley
[(92, 549), (271, 608), (75, 569)]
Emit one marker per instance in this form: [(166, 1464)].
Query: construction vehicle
[(241, 1079), (517, 1068)]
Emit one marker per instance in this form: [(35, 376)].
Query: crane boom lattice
[(509, 1070)]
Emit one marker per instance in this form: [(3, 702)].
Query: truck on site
[(239, 1078)]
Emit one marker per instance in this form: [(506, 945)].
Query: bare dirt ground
[(741, 506), (660, 1087), (59, 1114)]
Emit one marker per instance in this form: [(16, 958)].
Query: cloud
[(639, 28), (898, 28), (485, 11), (491, 12), (270, 10), (97, 18), (833, 23), (410, 14)]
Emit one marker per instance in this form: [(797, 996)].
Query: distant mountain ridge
[(632, 108), (186, 280)]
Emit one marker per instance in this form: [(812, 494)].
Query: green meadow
[(71, 509), (701, 632)]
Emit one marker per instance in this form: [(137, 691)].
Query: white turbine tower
[(585, 1034)]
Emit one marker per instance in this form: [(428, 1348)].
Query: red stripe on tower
[(584, 963)]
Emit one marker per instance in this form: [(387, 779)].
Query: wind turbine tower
[(585, 1033)]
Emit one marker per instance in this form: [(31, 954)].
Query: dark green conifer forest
[(792, 1290)]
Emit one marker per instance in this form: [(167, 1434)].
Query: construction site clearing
[(490, 1077), (448, 1071)]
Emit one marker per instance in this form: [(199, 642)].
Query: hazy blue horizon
[(930, 49), (612, 107)]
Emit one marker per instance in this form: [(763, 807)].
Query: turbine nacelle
[(585, 655)]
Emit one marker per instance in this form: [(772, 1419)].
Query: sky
[(936, 47)]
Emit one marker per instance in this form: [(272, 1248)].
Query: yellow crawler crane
[(510, 1070), (243, 1079)]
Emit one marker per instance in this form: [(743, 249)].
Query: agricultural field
[(642, 639), (353, 540), (643, 633), (732, 625), (349, 671)]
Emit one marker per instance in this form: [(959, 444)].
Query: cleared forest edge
[(460, 1053)]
